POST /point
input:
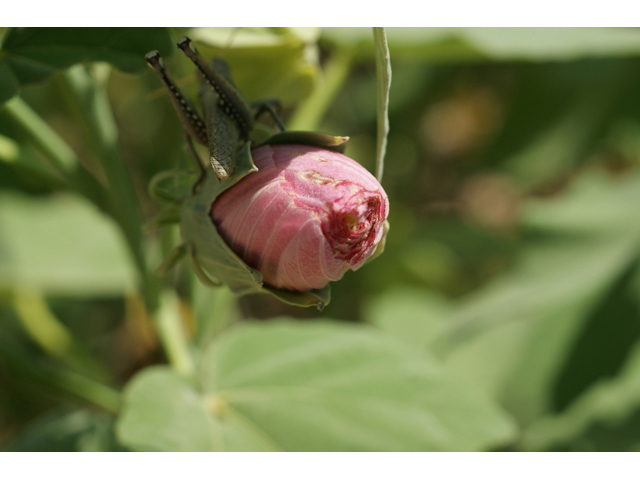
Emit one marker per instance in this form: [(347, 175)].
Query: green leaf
[(383, 82), (162, 411), (531, 44), (522, 334), (604, 419), (550, 131), (315, 387), (67, 431), (265, 62), (61, 245), (31, 55), (413, 315)]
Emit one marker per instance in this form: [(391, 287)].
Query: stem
[(383, 83), (52, 336), (311, 112), (57, 152), (59, 380), (60, 155), (173, 335), (90, 104)]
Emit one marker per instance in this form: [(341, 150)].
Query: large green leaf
[(528, 337), (533, 44), (315, 387), (562, 319), (414, 315), (31, 55), (61, 245)]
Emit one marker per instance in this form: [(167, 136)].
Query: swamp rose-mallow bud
[(304, 218)]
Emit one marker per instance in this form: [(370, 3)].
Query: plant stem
[(60, 155), (311, 112), (90, 103), (173, 335), (383, 83), (78, 386), (52, 336), (57, 152)]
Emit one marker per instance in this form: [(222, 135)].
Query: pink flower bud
[(304, 218)]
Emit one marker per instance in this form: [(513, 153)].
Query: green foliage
[(31, 55), (91, 262), (503, 314), (325, 386), (530, 44)]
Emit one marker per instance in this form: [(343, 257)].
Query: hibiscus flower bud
[(304, 218)]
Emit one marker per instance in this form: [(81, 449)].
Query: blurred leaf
[(214, 309), (605, 418), (60, 245), (517, 336), (558, 115), (414, 315), (67, 431), (315, 387), (31, 55), (532, 44), (595, 206), (27, 163), (165, 412), (265, 63)]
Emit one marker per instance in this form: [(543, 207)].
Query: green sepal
[(174, 257), (314, 139), (209, 251), (168, 215), (313, 298), (172, 186), (210, 254)]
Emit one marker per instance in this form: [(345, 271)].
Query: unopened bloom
[(304, 218)]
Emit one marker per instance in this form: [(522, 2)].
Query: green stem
[(173, 335), (383, 83), (311, 112), (57, 152), (40, 323), (60, 155), (90, 103), (59, 380)]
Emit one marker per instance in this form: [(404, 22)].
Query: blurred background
[(513, 179)]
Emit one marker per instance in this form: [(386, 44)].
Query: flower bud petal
[(304, 218)]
